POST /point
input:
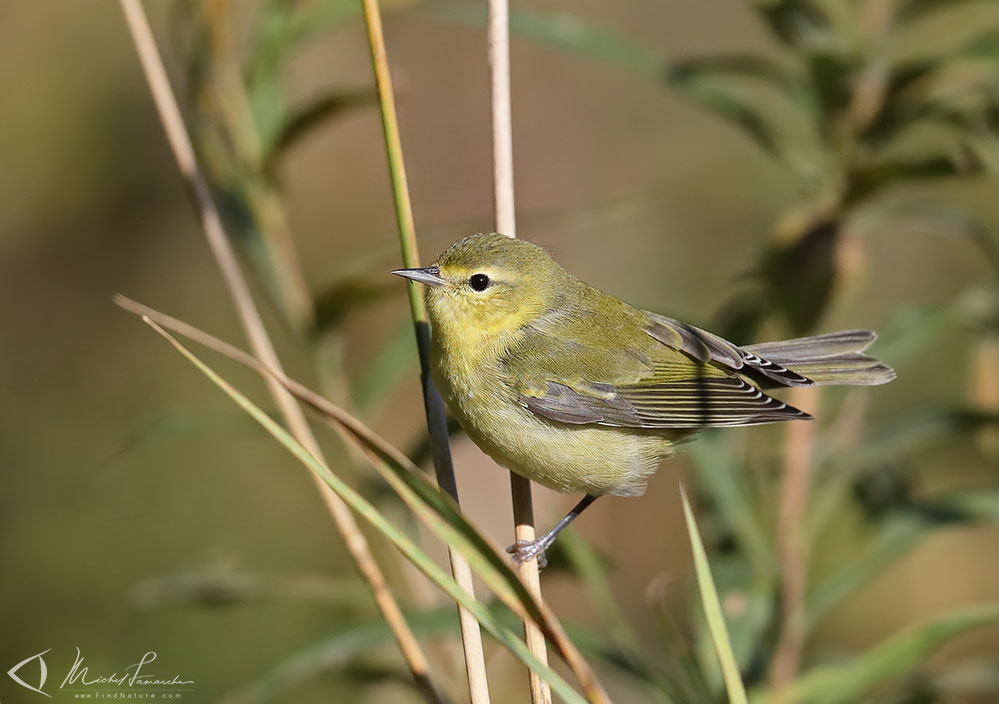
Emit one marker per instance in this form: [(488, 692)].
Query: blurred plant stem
[(211, 221), (437, 510), (243, 172), (713, 612), (471, 636), (792, 544), (498, 39), (224, 98), (985, 387)]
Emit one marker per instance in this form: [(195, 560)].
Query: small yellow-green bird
[(578, 391)]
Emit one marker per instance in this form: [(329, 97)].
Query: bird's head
[(486, 285)]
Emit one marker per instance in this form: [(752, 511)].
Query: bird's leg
[(524, 550)]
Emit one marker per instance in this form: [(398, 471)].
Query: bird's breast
[(591, 459), (471, 382)]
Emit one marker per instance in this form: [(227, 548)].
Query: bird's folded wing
[(698, 403), (709, 348), (578, 384)]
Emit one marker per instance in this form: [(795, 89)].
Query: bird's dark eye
[(479, 282)]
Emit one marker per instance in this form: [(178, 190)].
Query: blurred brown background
[(121, 464)]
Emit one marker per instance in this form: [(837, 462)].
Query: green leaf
[(394, 360), (867, 180), (660, 687), (832, 76), (912, 10), (984, 46), (913, 433), (902, 521), (347, 295), (281, 29), (748, 66), (922, 90), (800, 273), (725, 102), (847, 683), (894, 538), (887, 446), (979, 505), (912, 330), (795, 22), (746, 575), (590, 569), (463, 537), (713, 611), (289, 129), (725, 482), (743, 314)]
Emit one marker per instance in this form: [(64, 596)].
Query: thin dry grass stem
[(211, 221), (792, 549), (523, 522), (229, 99), (501, 114), (985, 389), (355, 429), (471, 635), (506, 223)]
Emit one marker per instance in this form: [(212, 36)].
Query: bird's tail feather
[(833, 358)]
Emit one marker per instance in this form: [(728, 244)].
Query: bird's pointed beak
[(429, 275)]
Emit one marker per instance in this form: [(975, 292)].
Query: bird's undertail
[(835, 358)]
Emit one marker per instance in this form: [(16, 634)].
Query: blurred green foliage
[(883, 118), (871, 122)]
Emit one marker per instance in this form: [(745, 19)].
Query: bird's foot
[(525, 550)]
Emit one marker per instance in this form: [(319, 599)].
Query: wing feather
[(705, 403), (676, 377), (707, 347)]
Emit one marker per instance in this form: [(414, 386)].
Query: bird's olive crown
[(492, 282), (494, 252)]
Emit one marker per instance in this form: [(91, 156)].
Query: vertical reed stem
[(506, 223), (792, 550), (471, 636), (218, 241), (502, 122)]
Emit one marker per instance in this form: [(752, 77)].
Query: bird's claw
[(525, 550)]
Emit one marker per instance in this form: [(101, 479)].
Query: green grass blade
[(588, 567), (713, 610), (896, 535), (848, 682), (725, 482), (437, 510), (406, 546)]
